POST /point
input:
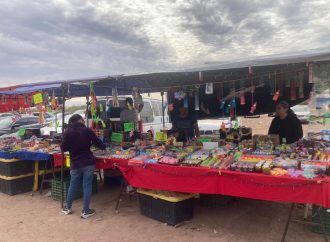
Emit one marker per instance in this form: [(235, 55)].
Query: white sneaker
[(66, 210), (87, 214)]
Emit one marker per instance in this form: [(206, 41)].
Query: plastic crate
[(17, 185), (325, 215), (173, 209), (15, 167), (56, 188), (13, 185), (214, 200)]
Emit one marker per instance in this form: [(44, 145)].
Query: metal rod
[(63, 156), (287, 223), (163, 111)]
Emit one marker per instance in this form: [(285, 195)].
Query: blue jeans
[(87, 174)]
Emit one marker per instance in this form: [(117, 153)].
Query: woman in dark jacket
[(77, 140), (286, 124)]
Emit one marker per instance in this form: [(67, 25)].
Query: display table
[(26, 155), (239, 184), (29, 156), (100, 162)]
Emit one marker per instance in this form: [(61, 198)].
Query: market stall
[(180, 160)]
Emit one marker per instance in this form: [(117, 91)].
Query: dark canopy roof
[(227, 73)]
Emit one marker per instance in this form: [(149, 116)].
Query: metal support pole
[(287, 223), (64, 87), (56, 122), (87, 113), (163, 111)]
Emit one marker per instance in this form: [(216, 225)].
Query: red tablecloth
[(248, 185), (211, 181), (101, 163)]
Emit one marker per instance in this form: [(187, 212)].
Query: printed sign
[(37, 98), (117, 137), (161, 136), (21, 132), (128, 127)]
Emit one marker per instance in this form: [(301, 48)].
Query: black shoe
[(87, 214)]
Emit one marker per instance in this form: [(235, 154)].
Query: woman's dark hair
[(75, 119), (283, 104), (129, 100)]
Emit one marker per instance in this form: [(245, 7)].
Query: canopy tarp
[(226, 72), (76, 88)]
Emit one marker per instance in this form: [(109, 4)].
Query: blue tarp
[(77, 89), (29, 89), (25, 155)]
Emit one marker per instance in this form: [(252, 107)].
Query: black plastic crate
[(56, 188), (15, 167), (325, 216), (214, 200), (16, 186), (164, 211)]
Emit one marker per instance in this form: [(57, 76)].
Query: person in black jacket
[(286, 124), (78, 140)]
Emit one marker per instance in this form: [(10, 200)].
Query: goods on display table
[(306, 160), (24, 162), (303, 159)]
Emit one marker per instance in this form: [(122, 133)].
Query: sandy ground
[(38, 218)]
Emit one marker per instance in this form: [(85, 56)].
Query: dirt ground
[(37, 217)]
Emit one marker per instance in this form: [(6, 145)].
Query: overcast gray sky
[(63, 39)]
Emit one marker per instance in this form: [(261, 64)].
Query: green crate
[(56, 188)]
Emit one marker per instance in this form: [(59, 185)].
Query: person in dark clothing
[(78, 140), (185, 126), (286, 124)]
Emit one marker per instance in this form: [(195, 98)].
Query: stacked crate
[(16, 176)]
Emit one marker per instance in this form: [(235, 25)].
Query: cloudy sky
[(63, 39)]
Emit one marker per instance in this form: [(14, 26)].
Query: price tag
[(161, 136), (103, 124), (117, 137), (204, 140), (37, 98), (236, 126), (326, 119), (128, 127), (67, 161), (21, 132)]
